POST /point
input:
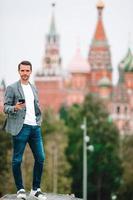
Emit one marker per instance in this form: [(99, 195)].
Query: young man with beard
[(23, 122)]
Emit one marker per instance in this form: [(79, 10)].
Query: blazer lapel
[(20, 89)]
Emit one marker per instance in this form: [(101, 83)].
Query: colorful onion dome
[(127, 63), (78, 64)]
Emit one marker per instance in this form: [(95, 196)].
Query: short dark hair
[(25, 62)]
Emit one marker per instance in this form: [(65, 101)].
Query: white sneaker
[(38, 194), (21, 194)]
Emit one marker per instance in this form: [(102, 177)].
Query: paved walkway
[(50, 196)]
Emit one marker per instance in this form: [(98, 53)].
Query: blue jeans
[(31, 135)]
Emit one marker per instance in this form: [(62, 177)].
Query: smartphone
[(21, 100)]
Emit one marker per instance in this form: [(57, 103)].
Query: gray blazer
[(15, 119)]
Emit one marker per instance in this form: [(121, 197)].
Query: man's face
[(25, 72)]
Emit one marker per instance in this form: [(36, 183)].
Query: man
[(23, 122)]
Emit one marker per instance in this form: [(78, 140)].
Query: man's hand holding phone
[(21, 101), (20, 105)]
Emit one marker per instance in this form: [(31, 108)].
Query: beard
[(24, 77)]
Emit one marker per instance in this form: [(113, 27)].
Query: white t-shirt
[(30, 117)]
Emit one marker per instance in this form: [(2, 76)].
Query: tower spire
[(52, 25), (100, 33), (52, 65)]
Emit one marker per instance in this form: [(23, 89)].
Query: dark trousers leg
[(36, 145), (19, 143)]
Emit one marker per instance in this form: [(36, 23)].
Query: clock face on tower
[(54, 51)]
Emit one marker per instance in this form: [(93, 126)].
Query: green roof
[(127, 63)]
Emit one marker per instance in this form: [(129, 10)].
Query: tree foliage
[(5, 146), (126, 189), (104, 171)]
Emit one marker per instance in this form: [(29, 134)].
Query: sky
[(25, 23)]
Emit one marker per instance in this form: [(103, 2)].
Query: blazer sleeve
[(9, 101)]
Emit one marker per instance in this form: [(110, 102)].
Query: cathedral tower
[(99, 54)]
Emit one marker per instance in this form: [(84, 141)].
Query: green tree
[(5, 146), (126, 189), (104, 169)]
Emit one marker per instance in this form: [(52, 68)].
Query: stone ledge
[(50, 196)]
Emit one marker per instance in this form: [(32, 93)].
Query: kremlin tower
[(49, 79), (52, 59)]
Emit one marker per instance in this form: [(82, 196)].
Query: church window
[(118, 109)]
